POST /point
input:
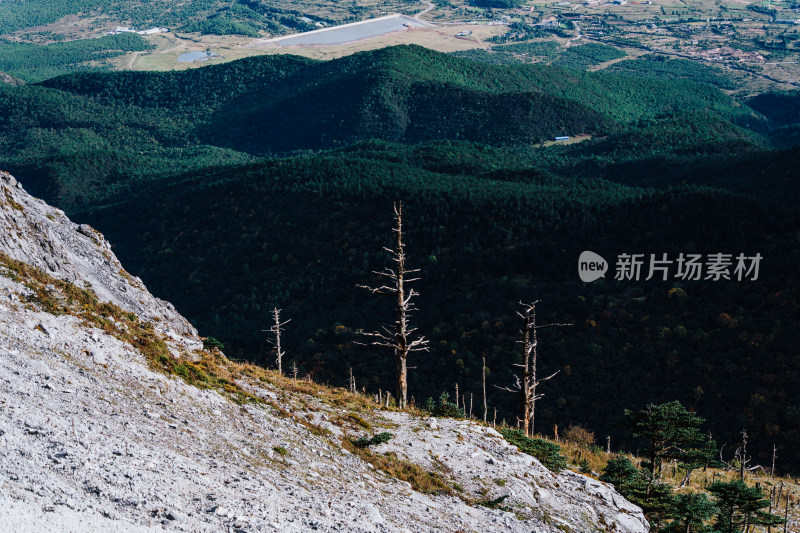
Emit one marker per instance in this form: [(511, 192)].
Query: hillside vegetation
[(30, 62), (268, 105), (269, 181), (217, 17)]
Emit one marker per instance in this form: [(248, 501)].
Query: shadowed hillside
[(268, 182)]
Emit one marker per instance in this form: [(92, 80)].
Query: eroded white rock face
[(482, 462), (44, 237), (92, 440)]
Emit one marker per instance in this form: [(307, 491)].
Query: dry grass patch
[(207, 369), (420, 479), (334, 396), (11, 201)]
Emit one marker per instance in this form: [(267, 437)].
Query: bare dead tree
[(786, 512), (485, 405), (277, 329), (352, 381), (740, 460), (527, 381), (743, 459), (774, 456), (400, 338), (470, 406), (771, 501), (294, 369)]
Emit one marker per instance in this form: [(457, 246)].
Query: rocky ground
[(93, 439)]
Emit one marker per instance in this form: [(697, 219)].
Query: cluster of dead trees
[(403, 340)]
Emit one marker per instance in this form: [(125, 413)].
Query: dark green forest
[(269, 182), (31, 62), (217, 17)]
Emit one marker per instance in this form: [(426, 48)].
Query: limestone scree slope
[(113, 417)]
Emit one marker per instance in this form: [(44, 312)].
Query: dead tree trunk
[(774, 456), (470, 406), (771, 499), (527, 381), (744, 459), (786, 512), (400, 338), (277, 329), (485, 405)]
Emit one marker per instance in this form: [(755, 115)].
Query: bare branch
[(551, 376), (378, 290), (554, 325)]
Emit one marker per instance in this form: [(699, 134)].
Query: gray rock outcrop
[(93, 440)]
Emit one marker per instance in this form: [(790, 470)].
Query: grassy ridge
[(18, 15)]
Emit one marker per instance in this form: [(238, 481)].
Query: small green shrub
[(495, 504), (380, 438), (280, 450), (209, 343), (546, 452), (444, 409)]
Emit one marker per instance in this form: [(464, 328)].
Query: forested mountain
[(269, 182), (92, 126)]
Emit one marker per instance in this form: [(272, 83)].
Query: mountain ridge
[(84, 138)]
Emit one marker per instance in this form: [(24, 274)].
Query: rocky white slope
[(91, 439)]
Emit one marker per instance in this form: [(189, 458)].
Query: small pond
[(191, 57)]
